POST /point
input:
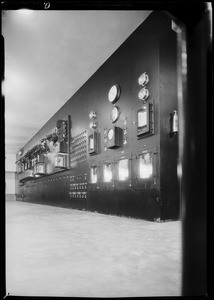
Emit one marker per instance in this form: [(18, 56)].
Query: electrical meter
[(114, 93), (92, 125), (40, 168), (93, 143), (115, 137), (143, 94), (61, 130), (60, 161), (115, 113), (143, 79), (92, 115), (110, 133), (145, 120)]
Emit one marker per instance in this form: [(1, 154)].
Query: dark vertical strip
[(193, 160), (3, 184), (69, 141)]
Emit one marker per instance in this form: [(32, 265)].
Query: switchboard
[(113, 146)]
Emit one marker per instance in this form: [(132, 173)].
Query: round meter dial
[(143, 94), (143, 79), (92, 125), (115, 113), (114, 93), (110, 134)]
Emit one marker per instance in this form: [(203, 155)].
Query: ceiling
[(49, 55)]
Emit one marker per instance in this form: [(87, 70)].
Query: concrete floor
[(53, 251)]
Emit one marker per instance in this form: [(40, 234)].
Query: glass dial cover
[(114, 93), (110, 134), (115, 113)]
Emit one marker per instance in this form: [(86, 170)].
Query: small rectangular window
[(145, 120), (107, 173), (93, 174), (145, 166), (123, 169), (142, 118), (91, 144)]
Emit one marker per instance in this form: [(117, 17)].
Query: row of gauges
[(92, 117), (113, 96), (143, 81), (114, 92)]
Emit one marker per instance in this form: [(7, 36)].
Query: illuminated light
[(107, 173), (91, 143), (123, 169), (142, 118), (3, 87), (145, 166), (93, 174), (25, 11), (179, 170)]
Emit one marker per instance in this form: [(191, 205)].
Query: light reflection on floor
[(54, 251)]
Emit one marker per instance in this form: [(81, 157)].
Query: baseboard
[(10, 197)]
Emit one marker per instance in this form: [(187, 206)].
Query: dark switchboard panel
[(115, 149)]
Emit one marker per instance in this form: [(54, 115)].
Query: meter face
[(115, 114), (110, 134)]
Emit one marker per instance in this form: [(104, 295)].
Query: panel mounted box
[(63, 147), (93, 143), (145, 120), (60, 160), (114, 137), (29, 174), (40, 158), (61, 130), (39, 169)]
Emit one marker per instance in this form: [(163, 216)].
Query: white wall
[(10, 182), (10, 169), (10, 165)]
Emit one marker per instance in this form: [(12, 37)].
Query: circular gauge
[(110, 133), (115, 113), (143, 94), (92, 125), (143, 79), (92, 115), (114, 93)]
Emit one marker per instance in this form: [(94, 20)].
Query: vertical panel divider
[(69, 140)]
